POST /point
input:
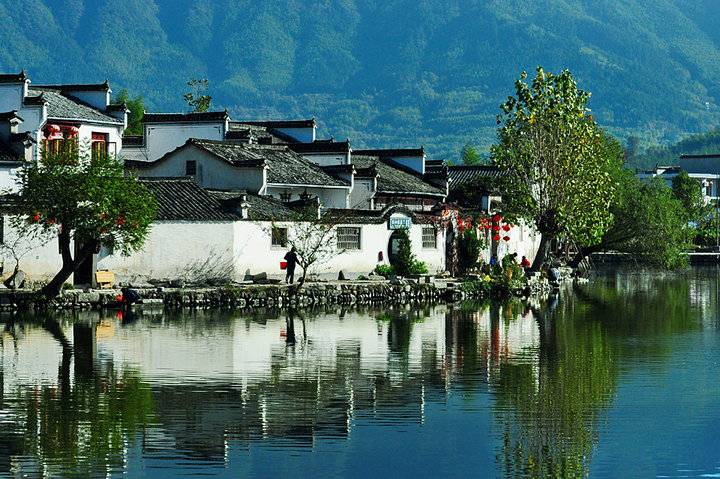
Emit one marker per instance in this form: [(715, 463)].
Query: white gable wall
[(161, 138), (98, 99), (327, 159), (212, 172), (303, 135), (362, 193), (416, 163)]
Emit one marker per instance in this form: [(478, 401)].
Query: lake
[(618, 377)]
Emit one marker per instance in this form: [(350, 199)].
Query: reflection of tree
[(549, 416), (549, 409), (81, 429)]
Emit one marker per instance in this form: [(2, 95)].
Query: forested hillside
[(384, 73)]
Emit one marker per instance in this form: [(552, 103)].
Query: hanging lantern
[(73, 131), (497, 218), (496, 228), (506, 228), (487, 227), (52, 128), (496, 237), (506, 238)]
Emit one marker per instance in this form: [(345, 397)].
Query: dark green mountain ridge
[(396, 73)]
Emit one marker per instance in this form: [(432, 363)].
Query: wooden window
[(190, 168), (99, 144), (429, 238), (348, 237), (279, 237)]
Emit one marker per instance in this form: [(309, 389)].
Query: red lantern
[(497, 218), (496, 228), (506, 238), (496, 237), (506, 228)]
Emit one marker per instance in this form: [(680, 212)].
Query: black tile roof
[(181, 199), (185, 117), (10, 115), (385, 153), (66, 107), (133, 140), (394, 179), (8, 156), (321, 147), (261, 207), (284, 166), (263, 133), (284, 123), (460, 174), (13, 77), (357, 216), (77, 87)]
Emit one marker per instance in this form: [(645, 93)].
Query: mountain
[(391, 73)]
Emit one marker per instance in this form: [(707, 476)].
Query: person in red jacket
[(524, 263)]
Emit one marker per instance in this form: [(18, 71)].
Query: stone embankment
[(408, 291)]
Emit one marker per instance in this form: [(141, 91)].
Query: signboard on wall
[(400, 223)]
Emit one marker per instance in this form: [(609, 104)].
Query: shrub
[(384, 270)]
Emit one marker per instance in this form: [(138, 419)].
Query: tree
[(468, 249), (558, 166), (197, 100), (469, 155), (689, 193), (137, 110), (647, 223), (85, 198), (314, 237)]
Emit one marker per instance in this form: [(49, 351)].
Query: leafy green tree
[(468, 249), (647, 223), (137, 110), (469, 155), (553, 151), (85, 198), (197, 99), (688, 192)]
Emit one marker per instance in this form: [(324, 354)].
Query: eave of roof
[(208, 116), (283, 123)]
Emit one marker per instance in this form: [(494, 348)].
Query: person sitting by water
[(524, 263), (129, 296)]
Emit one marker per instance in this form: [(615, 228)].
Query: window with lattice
[(348, 237), (429, 237)]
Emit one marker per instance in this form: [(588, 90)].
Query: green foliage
[(469, 155), (198, 101), (689, 193), (558, 159), (697, 144), (405, 257), (648, 223), (468, 249), (86, 198), (450, 65), (137, 110), (384, 270)]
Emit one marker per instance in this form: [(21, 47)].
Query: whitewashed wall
[(362, 193), (211, 171), (193, 251), (303, 135), (161, 138), (330, 196), (327, 159), (39, 257)]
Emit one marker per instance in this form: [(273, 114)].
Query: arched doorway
[(393, 244)]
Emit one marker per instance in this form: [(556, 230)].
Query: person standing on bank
[(291, 258)]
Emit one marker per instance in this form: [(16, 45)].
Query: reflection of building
[(212, 379)]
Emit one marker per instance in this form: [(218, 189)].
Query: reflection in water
[(494, 389)]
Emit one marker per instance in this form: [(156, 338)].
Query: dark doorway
[(84, 274), (393, 246)]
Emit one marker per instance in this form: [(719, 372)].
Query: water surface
[(619, 377)]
